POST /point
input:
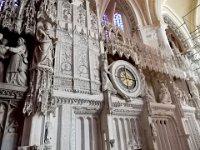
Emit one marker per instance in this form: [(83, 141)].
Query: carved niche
[(16, 71)]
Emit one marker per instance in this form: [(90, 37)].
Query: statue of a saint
[(178, 94), (17, 69), (164, 95), (44, 51)]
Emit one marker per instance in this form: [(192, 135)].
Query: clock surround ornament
[(126, 79)]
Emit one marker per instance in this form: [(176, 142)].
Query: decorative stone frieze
[(144, 56)]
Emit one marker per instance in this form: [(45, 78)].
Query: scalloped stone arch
[(177, 25)]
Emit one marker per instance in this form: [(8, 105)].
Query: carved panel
[(93, 21), (66, 60), (81, 16), (67, 12)]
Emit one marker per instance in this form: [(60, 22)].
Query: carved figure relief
[(81, 16), (48, 132), (83, 64), (93, 20), (66, 64), (194, 93), (178, 94), (42, 64), (43, 54), (164, 95), (149, 94), (193, 89), (67, 12), (186, 99), (96, 69), (106, 83), (2, 117), (17, 69), (12, 124), (3, 50)]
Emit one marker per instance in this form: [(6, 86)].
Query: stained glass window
[(118, 20), (105, 18)]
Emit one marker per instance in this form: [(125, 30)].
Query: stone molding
[(12, 91)]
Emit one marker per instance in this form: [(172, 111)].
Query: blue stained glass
[(105, 18), (118, 20)]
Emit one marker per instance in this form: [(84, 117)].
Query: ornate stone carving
[(67, 12), (106, 83), (48, 135), (93, 20), (164, 95), (66, 63), (43, 54), (81, 16), (83, 64), (2, 118), (178, 94), (194, 93), (143, 55), (17, 69), (149, 96), (177, 30), (3, 50), (42, 65)]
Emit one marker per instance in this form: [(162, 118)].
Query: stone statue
[(178, 94), (164, 95), (2, 115), (3, 50), (186, 99), (153, 131), (106, 83), (193, 89), (149, 95), (142, 77), (17, 69), (48, 132), (194, 93), (44, 51)]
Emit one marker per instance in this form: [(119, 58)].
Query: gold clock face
[(126, 78)]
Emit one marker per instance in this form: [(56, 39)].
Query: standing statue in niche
[(2, 115), (44, 51), (17, 69), (178, 94), (149, 94), (194, 93), (106, 83), (186, 98), (3, 50), (164, 95), (48, 132)]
